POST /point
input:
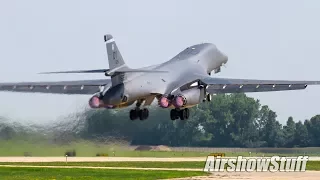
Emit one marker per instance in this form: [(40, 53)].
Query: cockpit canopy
[(191, 51)]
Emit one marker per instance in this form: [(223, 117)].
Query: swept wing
[(226, 85), (59, 87)]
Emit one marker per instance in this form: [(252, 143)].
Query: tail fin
[(117, 67), (114, 56)]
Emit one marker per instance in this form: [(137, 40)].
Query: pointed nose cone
[(222, 57)]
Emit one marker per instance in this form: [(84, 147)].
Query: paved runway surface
[(91, 167), (109, 159), (308, 175), (95, 159)]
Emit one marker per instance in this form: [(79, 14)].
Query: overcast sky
[(263, 39)]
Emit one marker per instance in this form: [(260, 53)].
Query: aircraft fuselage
[(199, 59), (182, 82)]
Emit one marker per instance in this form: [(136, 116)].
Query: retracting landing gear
[(179, 113), (136, 113)]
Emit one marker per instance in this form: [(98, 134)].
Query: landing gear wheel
[(183, 114), (187, 113), (173, 114), (140, 114), (209, 97), (133, 115), (136, 113), (146, 111), (143, 114)]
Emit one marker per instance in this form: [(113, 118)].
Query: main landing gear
[(143, 114), (209, 97), (179, 113), (136, 113)]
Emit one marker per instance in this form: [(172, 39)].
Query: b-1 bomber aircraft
[(178, 84)]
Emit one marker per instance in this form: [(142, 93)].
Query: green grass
[(90, 149), (89, 174), (311, 165), (83, 149)]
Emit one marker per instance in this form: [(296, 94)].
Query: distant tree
[(301, 135), (313, 127), (273, 134), (7, 132), (289, 132), (230, 120)]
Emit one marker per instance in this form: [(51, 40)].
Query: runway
[(308, 175), (98, 159), (92, 167), (113, 159)]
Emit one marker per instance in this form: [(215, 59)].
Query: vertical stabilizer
[(114, 57)]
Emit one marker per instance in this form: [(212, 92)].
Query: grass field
[(311, 165), (83, 149), (90, 149), (89, 174)]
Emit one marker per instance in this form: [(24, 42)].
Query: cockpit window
[(194, 51), (186, 53), (190, 50)]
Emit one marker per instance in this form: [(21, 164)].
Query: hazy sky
[(264, 39)]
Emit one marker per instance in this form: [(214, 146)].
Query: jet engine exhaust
[(187, 98), (179, 101), (95, 102), (164, 102)]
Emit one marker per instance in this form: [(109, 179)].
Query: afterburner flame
[(178, 101), (164, 102), (94, 102)]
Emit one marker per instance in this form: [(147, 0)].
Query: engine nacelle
[(95, 102), (188, 97)]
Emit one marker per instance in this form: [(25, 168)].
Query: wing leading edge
[(225, 85), (59, 87)]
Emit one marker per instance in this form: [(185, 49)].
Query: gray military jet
[(180, 83)]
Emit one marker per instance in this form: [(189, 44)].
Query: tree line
[(230, 120)]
